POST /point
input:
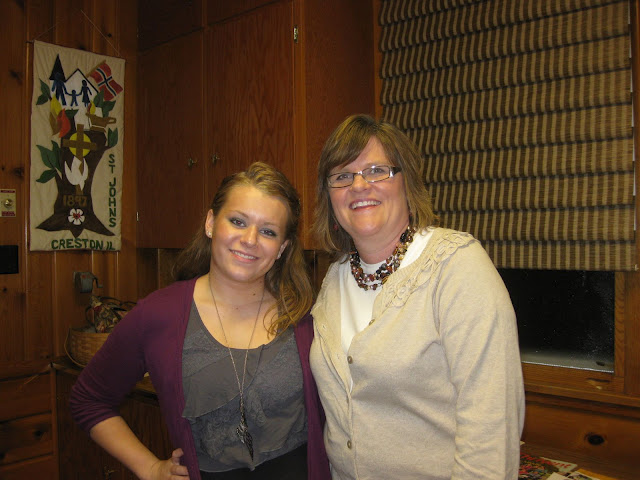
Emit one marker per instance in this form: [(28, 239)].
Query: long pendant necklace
[(372, 281), (242, 430)]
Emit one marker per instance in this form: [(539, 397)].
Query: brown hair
[(342, 147), (287, 280)]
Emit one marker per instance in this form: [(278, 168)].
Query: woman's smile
[(363, 203), (248, 234), (373, 214)]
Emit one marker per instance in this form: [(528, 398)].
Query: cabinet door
[(163, 20), (218, 10), (170, 143), (249, 92), (337, 40)]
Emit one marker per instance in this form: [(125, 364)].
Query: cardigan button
[(350, 359), (372, 320), (349, 444)]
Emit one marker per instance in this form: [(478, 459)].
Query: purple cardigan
[(150, 339)]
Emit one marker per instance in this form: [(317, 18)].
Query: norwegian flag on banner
[(105, 82)]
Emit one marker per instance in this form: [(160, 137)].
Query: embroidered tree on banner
[(79, 107)]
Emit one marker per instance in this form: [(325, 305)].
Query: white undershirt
[(357, 304)]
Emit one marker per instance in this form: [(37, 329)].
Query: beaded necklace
[(374, 280)]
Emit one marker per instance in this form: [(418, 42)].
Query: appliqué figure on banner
[(79, 118)]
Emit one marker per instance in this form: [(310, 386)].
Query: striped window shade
[(522, 110)]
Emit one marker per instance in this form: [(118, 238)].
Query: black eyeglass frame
[(392, 171)]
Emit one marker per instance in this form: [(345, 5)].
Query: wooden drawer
[(608, 437), (26, 436)]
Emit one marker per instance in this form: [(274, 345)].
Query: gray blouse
[(273, 397)]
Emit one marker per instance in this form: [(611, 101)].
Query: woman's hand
[(170, 469), (115, 436)]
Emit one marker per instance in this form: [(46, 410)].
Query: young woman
[(226, 348)]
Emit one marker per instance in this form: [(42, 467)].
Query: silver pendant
[(243, 430)]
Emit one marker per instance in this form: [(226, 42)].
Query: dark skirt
[(290, 466)]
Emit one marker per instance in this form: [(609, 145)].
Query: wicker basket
[(81, 346)]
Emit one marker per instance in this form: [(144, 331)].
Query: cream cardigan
[(437, 382)]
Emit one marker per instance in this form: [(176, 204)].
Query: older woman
[(415, 352), (226, 348)]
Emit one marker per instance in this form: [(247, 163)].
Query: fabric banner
[(77, 125)]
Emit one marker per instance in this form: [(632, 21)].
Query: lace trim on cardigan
[(407, 280), (403, 282)]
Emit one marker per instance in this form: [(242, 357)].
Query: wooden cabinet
[(26, 428), (79, 458), (249, 92), (162, 20), (170, 143), (219, 10), (276, 79), (595, 430), (334, 78)]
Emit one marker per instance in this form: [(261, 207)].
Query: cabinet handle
[(107, 472), (191, 162), (595, 439), (214, 159)]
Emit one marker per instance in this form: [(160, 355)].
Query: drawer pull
[(595, 439), (108, 472)]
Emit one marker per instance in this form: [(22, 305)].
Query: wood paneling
[(39, 304), (39, 266), (12, 174)]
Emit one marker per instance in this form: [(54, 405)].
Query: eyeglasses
[(375, 173)]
